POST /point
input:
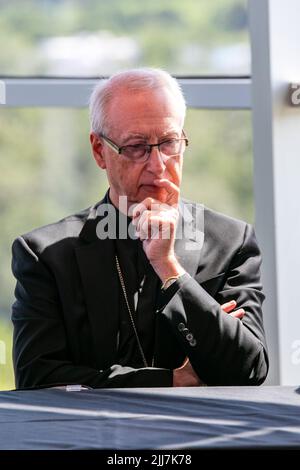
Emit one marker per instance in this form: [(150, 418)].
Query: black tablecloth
[(158, 418)]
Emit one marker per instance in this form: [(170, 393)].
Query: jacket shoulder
[(63, 232), (218, 227), (223, 222)]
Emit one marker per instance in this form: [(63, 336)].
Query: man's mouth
[(150, 186)]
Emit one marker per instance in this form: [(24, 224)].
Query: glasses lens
[(171, 147), (134, 152)]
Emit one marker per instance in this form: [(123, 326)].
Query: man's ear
[(97, 149)]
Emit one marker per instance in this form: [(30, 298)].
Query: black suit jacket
[(65, 315)]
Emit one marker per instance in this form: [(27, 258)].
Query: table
[(151, 418)]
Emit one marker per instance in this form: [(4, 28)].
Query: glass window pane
[(47, 172), (97, 37), (218, 164)]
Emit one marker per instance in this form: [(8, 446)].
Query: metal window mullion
[(207, 93)]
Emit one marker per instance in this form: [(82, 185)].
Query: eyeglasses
[(140, 152)]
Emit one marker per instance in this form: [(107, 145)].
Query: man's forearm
[(221, 349), (115, 376)]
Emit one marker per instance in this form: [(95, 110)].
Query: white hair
[(135, 79)]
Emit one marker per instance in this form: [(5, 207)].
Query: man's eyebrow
[(133, 136), (169, 134), (136, 135)]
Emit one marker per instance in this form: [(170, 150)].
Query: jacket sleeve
[(40, 350), (223, 350)]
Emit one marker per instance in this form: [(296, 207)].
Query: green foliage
[(218, 161), (161, 28)]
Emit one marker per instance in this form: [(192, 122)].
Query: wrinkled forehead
[(144, 106)]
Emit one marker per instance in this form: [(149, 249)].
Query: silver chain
[(130, 314)]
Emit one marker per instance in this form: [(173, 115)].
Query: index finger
[(228, 306), (171, 188)]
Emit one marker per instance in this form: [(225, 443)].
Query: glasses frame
[(149, 147)]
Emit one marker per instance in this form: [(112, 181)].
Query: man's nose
[(155, 162)]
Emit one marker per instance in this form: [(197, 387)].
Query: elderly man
[(116, 295)]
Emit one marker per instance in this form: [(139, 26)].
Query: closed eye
[(168, 141)]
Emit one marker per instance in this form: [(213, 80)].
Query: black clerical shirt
[(145, 297), (142, 287)]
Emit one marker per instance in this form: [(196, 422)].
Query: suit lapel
[(96, 261), (190, 236)]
